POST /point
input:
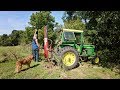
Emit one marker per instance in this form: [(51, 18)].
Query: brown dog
[(24, 61)]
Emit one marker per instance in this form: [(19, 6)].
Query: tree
[(29, 31), (74, 24), (41, 18), (57, 27), (69, 15), (4, 39), (72, 20), (15, 37), (23, 37), (107, 39), (37, 21)]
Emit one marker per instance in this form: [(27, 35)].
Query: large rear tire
[(69, 57)]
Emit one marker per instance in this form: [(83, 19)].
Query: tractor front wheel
[(69, 57), (95, 60)]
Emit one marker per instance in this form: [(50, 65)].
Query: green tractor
[(71, 49)]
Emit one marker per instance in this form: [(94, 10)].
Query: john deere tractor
[(71, 49)]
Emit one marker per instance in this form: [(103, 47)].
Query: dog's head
[(31, 56)]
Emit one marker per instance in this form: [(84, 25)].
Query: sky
[(18, 20)]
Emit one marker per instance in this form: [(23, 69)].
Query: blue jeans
[(36, 55)]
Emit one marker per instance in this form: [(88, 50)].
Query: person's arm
[(36, 40), (35, 35)]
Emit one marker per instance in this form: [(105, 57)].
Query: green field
[(39, 70)]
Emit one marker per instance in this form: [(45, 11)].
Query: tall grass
[(14, 52)]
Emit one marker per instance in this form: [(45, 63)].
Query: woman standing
[(35, 46)]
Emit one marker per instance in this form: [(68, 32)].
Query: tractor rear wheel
[(69, 57)]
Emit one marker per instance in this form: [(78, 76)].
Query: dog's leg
[(19, 67), (16, 69)]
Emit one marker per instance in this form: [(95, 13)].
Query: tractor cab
[(71, 37)]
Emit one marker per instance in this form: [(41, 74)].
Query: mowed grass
[(39, 70)]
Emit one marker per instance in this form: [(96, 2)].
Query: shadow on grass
[(30, 67)]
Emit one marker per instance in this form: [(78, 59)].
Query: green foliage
[(57, 27), (108, 34), (29, 34), (74, 24), (41, 18), (23, 37), (38, 20), (69, 15), (5, 40), (15, 36), (72, 21)]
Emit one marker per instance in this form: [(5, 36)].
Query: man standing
[(35, 46)]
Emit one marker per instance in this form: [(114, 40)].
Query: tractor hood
[(88, 46)]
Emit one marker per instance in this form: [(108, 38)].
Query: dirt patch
[(49, 65), (64, 76)]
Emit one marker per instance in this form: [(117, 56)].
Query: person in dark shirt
[(35, 46)]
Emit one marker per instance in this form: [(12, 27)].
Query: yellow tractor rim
[(68, 58), (97, 60)]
